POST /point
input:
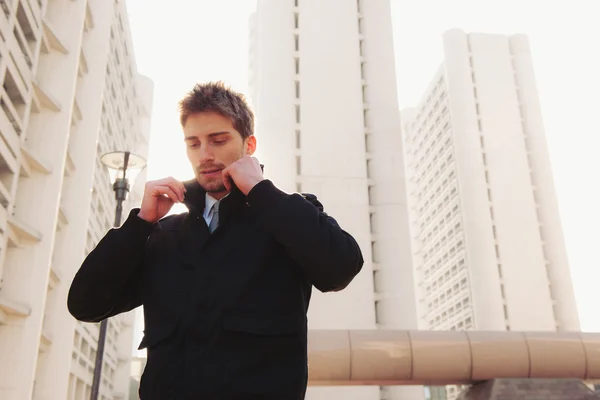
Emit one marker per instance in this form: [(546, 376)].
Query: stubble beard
[(216, 185)]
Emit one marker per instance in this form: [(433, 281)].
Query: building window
[(297, 114), (373, 223), (297, 88), (374, 253), (298, 166), (296, 43), (298, 139), (296, 22), (297, 65)]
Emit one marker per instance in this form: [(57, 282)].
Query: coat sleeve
[(329, 256), (109, 280)]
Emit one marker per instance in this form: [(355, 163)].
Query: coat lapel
[(194, 235)]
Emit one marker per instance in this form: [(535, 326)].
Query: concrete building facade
[(488, 247), (70, 93), (323, 87)]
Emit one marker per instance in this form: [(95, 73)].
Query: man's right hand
[(159, 198)]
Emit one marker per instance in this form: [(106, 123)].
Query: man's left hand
[(245, 173)]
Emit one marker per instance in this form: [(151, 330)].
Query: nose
[(206, 154)]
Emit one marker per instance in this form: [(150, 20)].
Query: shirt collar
[(209, 203)]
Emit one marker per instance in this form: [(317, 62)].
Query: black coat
[(225, 314)]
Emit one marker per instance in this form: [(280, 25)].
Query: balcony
[(5, 196), (123, 355), (46, 100), (51, 41), (45, 336), (3, 219), (63, 221), (89, 19), (16, 84), (77, 116), (8, 167), (128, 319), (9, 94), (4, 15), (69, 164), (22, 41), (32, 162), (55, 277), (20, 234), (9, 134), (83, 64), (12, 308)]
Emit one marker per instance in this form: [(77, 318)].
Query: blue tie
[(214, 222)]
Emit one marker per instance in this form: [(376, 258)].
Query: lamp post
[(118, 164)]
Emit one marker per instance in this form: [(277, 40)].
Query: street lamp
[(119, 163)]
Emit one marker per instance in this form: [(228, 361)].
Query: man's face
[(212, 145)]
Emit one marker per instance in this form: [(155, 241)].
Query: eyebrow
[(210, 135)]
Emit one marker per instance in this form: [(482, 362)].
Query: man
[(226, 286)]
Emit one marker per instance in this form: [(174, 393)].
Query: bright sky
[(189, 41)]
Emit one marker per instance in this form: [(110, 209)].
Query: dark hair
[(216, 97)]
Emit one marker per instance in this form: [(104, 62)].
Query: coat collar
[(195, 199)]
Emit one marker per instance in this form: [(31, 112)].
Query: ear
[(250, 145)]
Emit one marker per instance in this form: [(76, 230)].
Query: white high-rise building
[(323, 87), (70, 93), (488, 246)]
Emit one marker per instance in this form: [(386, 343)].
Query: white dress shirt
[(209, 207)]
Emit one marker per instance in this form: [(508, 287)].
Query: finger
[(227, 179), (177, 188), (175, 185), (157, 188), (181, 185), (169, 180), (164, 181), (167, 191)]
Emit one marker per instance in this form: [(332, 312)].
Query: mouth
[(209, 173)]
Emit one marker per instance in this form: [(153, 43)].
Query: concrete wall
[(74, 101)]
